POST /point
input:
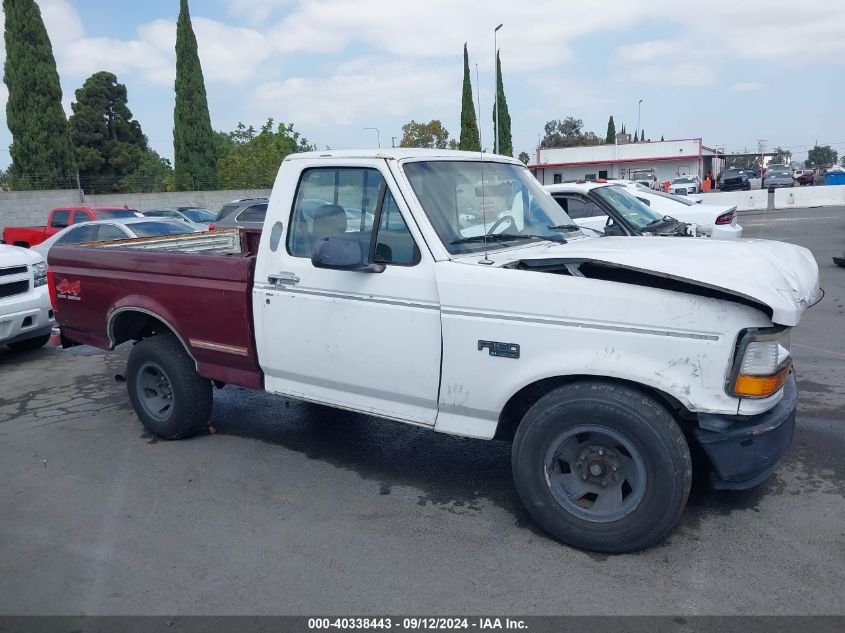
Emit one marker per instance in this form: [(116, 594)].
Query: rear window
[(199, 215), (226, 211), (116, 213), (152, 229), (255, 213), (60, 220)]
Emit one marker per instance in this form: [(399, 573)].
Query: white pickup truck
[(382, 284), (26, 317)]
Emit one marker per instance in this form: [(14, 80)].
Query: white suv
[(26, 317)]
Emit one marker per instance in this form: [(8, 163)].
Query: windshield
[(683, 181), (152, 229), (203, 216), (111, 214), (634, 211), (466, 200)]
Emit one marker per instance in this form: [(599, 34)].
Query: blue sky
[(739, 72)]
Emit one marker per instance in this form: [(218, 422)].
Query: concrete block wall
[(31, 208), (822, 196), (744, 200)]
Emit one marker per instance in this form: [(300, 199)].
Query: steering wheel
[(502, 220)]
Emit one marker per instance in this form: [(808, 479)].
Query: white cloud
[(363, 90), (535, 35), (228, 54), (748, 86), (647, 51)]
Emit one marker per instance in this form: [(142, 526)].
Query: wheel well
[(21, 244), (524, 399), (133, 326)]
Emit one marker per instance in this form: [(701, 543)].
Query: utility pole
[(496, 88), (637, 133)]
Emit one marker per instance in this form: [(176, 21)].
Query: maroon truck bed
[(107, 293)]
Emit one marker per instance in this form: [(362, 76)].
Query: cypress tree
[(109, 143), (470, 140), (41, 152), (193, 138), (505, 142), (642, 135), (611, 131)]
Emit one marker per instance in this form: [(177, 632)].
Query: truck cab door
[(363, 340)]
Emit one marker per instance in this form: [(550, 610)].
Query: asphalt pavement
[(292, 508)]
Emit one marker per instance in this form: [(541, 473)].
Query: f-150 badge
[(70, 290), (504, 350)]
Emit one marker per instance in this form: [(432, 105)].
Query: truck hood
[(16, 256), (781, 276)]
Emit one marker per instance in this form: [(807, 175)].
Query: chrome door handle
[(283, 279)]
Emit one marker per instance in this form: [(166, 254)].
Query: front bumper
[(748, 450), (25, 316)]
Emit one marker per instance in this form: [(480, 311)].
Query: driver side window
[(344, 201)]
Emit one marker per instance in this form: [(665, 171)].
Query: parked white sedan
[(626, 208), (716, 220), (117, 229)]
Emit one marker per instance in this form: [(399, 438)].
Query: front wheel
[(171, 399), (602, 466)]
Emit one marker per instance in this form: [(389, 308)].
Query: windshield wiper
[(505, 237), (564, 227)]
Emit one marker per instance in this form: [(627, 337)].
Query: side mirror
[(344, 253)]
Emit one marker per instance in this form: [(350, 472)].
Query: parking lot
[(292, 508)]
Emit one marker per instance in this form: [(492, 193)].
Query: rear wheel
[(30, 344), (602, 466), (171, 399)]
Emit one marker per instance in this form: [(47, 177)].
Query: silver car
[(776, 179), (246, 213), (116, 229), (198, 216)]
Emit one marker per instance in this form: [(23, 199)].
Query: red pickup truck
[(60, 218)]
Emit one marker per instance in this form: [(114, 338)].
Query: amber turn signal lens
[(761, 386)]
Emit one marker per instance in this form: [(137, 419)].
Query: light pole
[(637, 133), (378, 134), (496, 88)]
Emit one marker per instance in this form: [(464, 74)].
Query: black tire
[(179, 405), (653, 437), (30, 344)]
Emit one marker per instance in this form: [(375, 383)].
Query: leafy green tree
[(821, 157), (193, 139), (109, 144), (747, 161), (610, 137), (431, 134), (470, 139), (253, 157), (505, 142), (782, 156), (567, 133), (524, 157), (41, 152), (152, 174)]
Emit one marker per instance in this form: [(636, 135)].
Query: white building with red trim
[(667, 159)]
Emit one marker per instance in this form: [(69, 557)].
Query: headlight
[(762, 363), (39, 272)]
